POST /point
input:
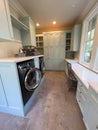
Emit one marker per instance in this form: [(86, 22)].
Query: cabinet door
[(32, 33), (92, 117), (76, 37), (54, 50), (5, 21), (82, 98), (2, 95)]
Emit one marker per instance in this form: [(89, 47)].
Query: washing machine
[(29, 78)]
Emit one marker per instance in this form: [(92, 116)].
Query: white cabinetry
[(40, 43), (82, 97), (11, 97), (28, 37), (32, 32), (68, 41), (88, 103), (10, 93), (5, 21), (54, 50), (2, 94), (92, 118), (76, 37), (14, 25)]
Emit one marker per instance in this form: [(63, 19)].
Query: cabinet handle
[(97, 127)]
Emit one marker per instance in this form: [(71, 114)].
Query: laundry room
[(48, 65)]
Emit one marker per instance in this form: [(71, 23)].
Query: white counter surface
[(18, 59), (71, 60), (89, 78)]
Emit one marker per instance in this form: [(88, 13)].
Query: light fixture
[(37, 24), (54, 22), (73, 5)]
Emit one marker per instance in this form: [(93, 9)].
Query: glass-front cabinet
[(39, 43), (68, 41)]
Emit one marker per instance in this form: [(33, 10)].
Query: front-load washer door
[(42, 67), (32, 79)]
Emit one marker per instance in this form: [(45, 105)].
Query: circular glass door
[(32, 79)]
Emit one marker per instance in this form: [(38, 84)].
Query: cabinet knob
[(97, 127)]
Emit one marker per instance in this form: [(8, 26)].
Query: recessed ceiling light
[(37, 24), (54, 22), (73, 5)]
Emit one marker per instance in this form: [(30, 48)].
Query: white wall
[(9, 49)]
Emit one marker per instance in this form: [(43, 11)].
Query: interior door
[(54, 50)]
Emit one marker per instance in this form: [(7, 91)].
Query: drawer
[(93, 95)]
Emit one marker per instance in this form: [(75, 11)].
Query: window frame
[(93, 61)]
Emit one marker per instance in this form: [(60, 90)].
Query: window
[(89, 41), (96, 62)]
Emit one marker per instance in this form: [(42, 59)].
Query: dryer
[(41, 65)]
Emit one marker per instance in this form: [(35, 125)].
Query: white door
[(54, 50)]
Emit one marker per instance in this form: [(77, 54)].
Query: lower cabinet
[(88, 103), (91, 121), (82, 98), (2, 94)]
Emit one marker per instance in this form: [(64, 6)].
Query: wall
[(9, 49), (40, 31), (86, 10)]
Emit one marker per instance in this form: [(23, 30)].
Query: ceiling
[(64, 12)]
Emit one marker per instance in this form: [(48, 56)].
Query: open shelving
[(17, 23)]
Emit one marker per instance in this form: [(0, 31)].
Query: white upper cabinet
[(15, 23), (32, 32), (5, 21), (76, 37), (28, 36)]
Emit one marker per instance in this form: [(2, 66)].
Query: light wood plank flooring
[(54, 108)]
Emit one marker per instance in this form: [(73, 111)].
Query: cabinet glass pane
[(36, 38), (37, 43), (67, 48), (41, 44), (68, 35), (40, 38), (68, 42)]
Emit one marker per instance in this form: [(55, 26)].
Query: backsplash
[(9, 49)]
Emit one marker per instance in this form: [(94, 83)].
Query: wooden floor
[(54, 108)]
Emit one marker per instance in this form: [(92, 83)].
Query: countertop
[(88, 77), (18, 59), (71, 60)]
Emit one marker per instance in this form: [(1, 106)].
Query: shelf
[(67, 45), (40, 41), (39, 47), (17, 23)]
